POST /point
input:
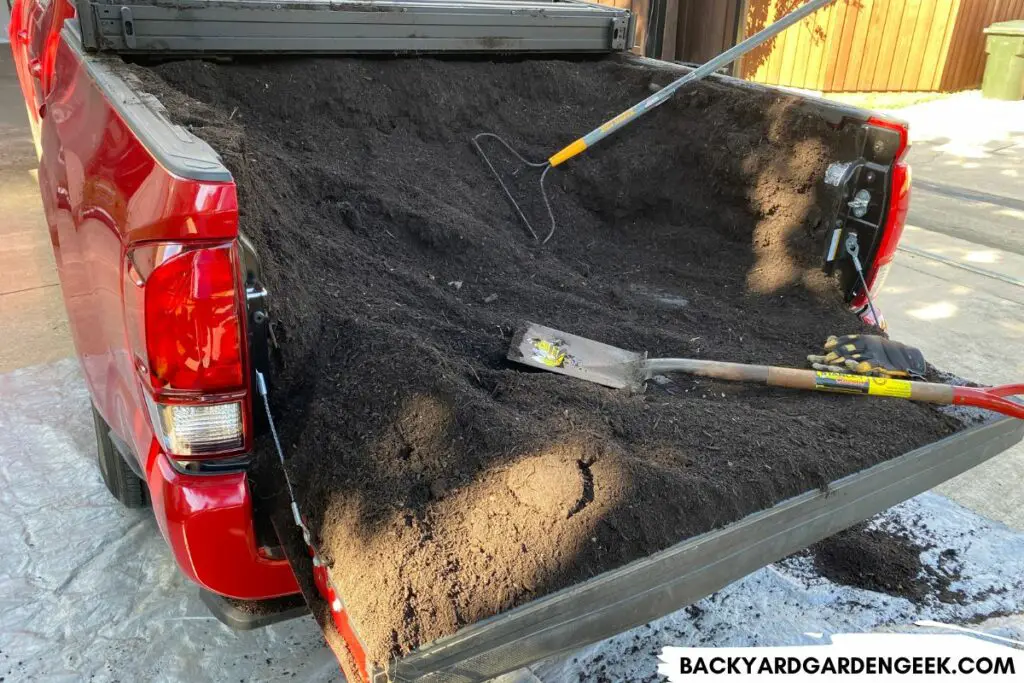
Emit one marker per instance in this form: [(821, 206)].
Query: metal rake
[(637, 110)]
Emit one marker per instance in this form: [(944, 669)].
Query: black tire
[(117, 475)]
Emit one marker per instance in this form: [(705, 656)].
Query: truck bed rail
[(197, 27)]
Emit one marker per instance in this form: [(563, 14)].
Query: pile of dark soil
[(885, 562), (446, 484)]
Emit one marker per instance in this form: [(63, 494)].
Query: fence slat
[(887, 44), (966, 22), (839, 57), (801, 35), (854, 45), (778, 55), (727, 35), (872, 45), (758, 62), (944, 45), (858, 46), (827, 26), (924, 51), (668, 39), (918, 43), (904, 37)]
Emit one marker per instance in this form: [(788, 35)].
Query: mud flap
[(247, 615), (326, 607)]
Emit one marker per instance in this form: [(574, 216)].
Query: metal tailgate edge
[(646, 589)]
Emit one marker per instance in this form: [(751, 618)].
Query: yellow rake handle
[(637, 110)]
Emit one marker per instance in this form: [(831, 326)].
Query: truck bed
[(332, 269), (398, 276)]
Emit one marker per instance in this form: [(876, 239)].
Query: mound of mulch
[(884, 561), (444, 483)]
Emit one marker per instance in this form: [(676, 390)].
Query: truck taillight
[(198, 430), (878, 279), (183, 306), (191, 316), (896, 213)]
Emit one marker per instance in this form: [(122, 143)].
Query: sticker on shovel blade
[(548, 353)]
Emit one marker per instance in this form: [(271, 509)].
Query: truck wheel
[(117, 475)]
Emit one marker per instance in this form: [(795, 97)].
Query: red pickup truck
[(151, 268), (168, 315)]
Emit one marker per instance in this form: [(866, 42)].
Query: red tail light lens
[(895, 221), (191, 317), (183, 309), (899, 204), (896, 215)]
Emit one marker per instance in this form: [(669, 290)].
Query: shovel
[(567, 354)]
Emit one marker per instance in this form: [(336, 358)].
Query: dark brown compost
[(885, 561), (444, 483)]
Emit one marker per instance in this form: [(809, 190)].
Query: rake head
[(543, 166)]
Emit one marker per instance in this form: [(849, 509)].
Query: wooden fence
[(853, 45)]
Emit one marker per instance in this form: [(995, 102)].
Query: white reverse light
[(199, 429)]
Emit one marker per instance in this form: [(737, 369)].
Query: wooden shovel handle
[(989, 398), (842, 383)]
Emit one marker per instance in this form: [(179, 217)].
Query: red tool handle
[(991, 398)]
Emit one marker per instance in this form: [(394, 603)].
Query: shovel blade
[(567, 354)]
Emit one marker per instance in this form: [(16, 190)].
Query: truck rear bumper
[(208, 523), (247, 615)]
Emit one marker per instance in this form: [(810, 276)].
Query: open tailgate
[(649, 588)]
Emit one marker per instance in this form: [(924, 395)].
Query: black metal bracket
[(257, 308)]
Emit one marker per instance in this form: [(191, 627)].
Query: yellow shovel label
[(842, 383), (885, 386), (859, 384), (548, 354)]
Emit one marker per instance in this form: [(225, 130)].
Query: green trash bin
[(1004, 67)]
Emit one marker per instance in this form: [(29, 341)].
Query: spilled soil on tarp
[(885, 561), (445, 483)]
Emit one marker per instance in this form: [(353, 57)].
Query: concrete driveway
[(88, 590), (30, 300), (957, 287)]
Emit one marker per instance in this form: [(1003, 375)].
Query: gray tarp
[(88, 588)]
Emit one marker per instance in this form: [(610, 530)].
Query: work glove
[(867, 354)]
